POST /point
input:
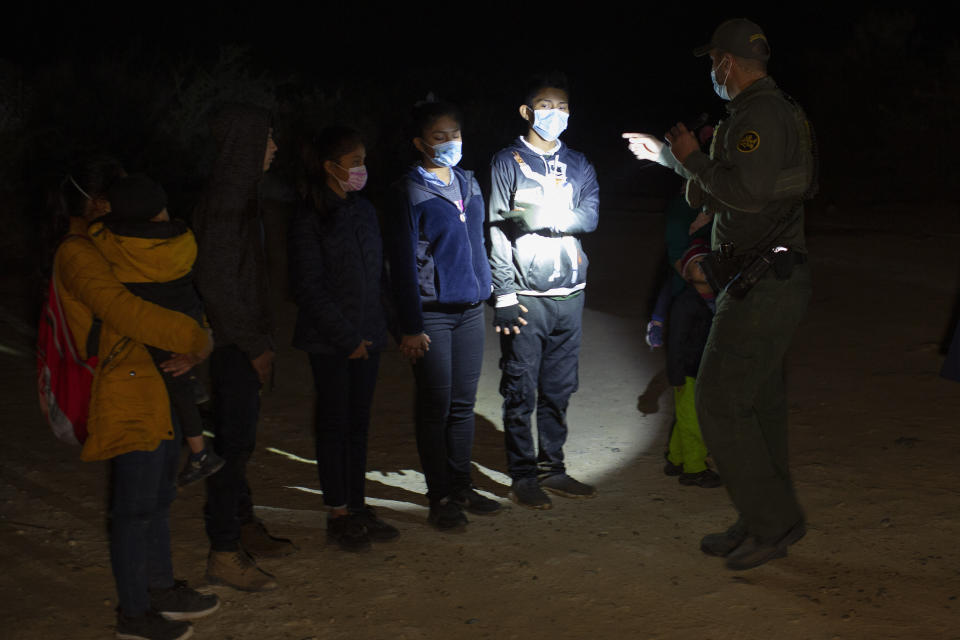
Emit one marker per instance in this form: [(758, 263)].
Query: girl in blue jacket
[(441, 277), (336, 272)]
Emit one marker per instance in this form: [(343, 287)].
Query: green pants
[(741, 399), (686, 443)]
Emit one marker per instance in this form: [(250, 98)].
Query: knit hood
[(240, 132)]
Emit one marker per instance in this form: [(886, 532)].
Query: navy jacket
[(336, 273), (436, 253), (538, 252)]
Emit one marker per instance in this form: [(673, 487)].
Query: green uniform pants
[(741, 399), (686, 443)]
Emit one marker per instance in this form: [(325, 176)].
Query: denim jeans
[(142, 486), (539, 372), (447, 378), (344, 393), (236, 407)]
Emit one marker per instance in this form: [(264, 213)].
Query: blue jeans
[(142, 486), (539, 372), (236, 407), (447, 378), (344, 393)]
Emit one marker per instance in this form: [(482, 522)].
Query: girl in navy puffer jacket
[(336, 271)]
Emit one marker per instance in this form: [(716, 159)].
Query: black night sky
[(133, 80)]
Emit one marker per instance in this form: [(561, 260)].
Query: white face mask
[(720, 88), (550, 123)]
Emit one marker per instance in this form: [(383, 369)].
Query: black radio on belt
[(725, 270)]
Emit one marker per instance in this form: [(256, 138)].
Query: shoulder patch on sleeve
[(749, 142)]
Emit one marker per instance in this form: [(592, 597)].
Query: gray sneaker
[(199, 467), (563, 485), (526, 492)]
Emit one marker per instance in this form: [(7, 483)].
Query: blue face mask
[(720, 89), (550, 123), (447, 154)]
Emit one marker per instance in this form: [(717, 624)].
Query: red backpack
[(64, 379)]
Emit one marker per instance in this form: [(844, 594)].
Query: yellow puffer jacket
[(129, 406)]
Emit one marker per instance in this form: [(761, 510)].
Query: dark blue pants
[(342, 420), (539, 372), (142, 486), (236, 407), (447, 378)]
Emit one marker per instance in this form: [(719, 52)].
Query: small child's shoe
[(199, 466)]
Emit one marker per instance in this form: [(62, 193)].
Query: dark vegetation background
[(879, 84)]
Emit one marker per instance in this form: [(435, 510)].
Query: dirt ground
[(875, 443)]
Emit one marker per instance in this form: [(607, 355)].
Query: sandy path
[(875, 443)]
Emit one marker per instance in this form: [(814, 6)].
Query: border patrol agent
[(759, 170)]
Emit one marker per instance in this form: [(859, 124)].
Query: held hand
[(643, 145), (507, 319), (413, 347), (180, 363), (360, 353), (682, 142), (263, 364)]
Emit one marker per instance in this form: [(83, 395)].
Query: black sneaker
[(377, 529), (446, 515), (563, 485), (526, 492), (473, 502), (206, 465), (348, 533), (180, 602), (152, 626), (706, 479), (670, 469)]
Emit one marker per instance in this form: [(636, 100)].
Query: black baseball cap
[(738, 36)]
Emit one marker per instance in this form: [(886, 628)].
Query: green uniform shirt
[(759, 167)]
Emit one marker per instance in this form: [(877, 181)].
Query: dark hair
[(551, 79), (330, 143), (91, 177), (426, 113)]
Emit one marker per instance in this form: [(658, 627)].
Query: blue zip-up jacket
[(436, 252), (337, 276), (538, 253)]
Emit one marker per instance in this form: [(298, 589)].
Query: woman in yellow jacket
[(130, 420)]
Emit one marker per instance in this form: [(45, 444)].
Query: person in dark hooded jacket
[(232, 279)]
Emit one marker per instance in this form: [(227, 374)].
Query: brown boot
[(238, 570), (257, 541)]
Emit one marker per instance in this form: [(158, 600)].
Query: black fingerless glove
[(507, 317)]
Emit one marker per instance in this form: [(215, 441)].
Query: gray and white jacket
[(538, 205)]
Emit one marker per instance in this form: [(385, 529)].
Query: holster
[(721, 266), (738, 274)]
